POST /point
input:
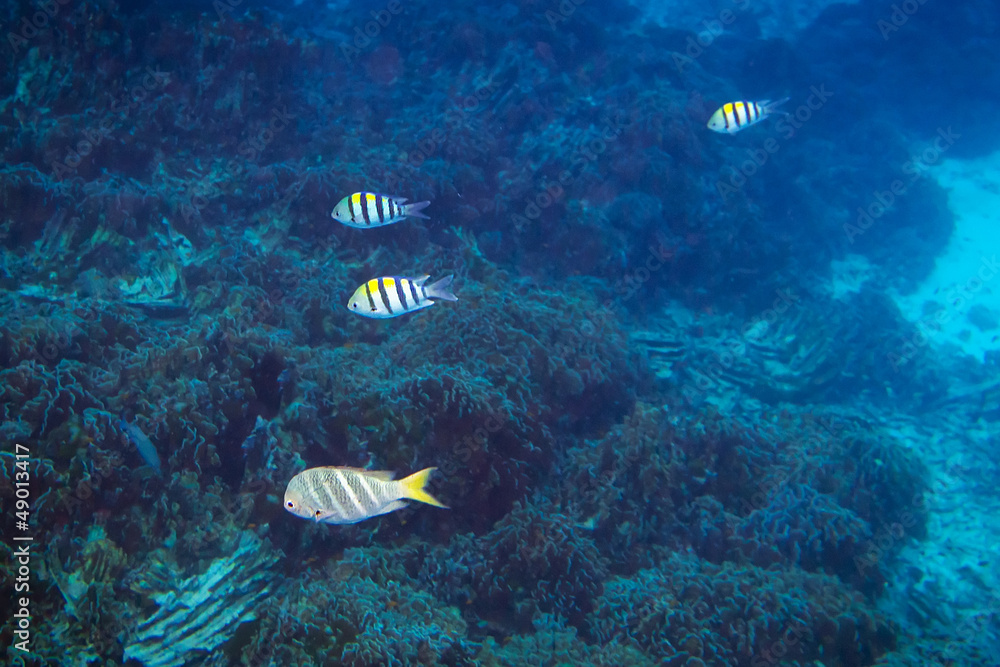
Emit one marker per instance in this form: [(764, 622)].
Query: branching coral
[(790, 489), (732, 615), (534, 560), (340, 618), (553, 643)]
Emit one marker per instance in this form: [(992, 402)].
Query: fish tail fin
[(413, 488), (441, 289), (767, 106), (413, 210)]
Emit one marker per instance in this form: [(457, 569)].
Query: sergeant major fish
[(391, 296), (368, 209), (734, 116), (340, 495)]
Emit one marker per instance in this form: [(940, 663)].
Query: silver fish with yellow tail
[(391, 296), (340, 495), (370, 209)]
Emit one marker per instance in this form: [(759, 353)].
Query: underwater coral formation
[(648, 417), (337, 617), (534, 561), (692, 612), (202, 612)]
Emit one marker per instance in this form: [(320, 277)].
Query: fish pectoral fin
[(322, 515)]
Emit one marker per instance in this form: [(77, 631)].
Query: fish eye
[(290, 504), (354, 305), (318, 512)]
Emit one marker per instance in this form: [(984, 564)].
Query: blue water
[(719, 386)]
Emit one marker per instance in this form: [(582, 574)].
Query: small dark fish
[(145, 446)]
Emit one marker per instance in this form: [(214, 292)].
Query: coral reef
[(553, 642), (651, 417), (692, 612), (336, 617), (746, 490), (533, 561), (202, 612)]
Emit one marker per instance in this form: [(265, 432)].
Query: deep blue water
[(719, 386)]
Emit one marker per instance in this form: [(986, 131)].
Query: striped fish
[(368, 209), (339, 495), (391, 296), (734, 116)]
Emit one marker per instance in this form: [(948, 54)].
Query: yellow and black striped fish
[(391, 296), (734, 116), (334, 494), (369, 209)]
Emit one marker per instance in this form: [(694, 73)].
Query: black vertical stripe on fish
[(382, 293), (725, 117), (350, 206), (393, 212), (364, 208), (371, 301), (378, 208), (399, 293), (736, 114), (413, 291)]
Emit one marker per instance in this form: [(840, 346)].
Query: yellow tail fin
[(413, 487)]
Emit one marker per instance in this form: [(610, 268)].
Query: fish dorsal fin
[(421, 280), (380, 475)]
